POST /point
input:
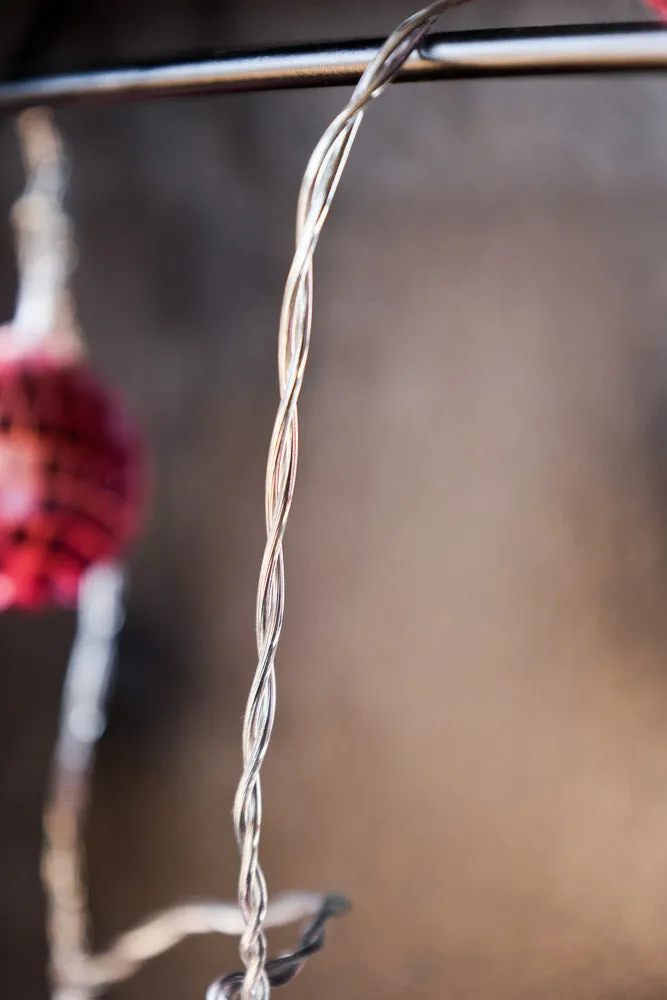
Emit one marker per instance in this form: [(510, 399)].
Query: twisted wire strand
[(320, 182)]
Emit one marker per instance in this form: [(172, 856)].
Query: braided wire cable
[(320, 181)]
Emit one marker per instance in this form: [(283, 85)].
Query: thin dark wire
[(283, 969)]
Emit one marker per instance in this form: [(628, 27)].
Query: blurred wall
[(472, 726)]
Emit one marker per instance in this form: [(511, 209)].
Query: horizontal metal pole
[(609, 48)]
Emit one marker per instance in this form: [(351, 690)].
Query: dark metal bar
[(610, 48)]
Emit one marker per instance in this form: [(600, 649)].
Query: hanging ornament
[(72, 468), (71, 479)]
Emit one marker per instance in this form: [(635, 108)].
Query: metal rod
[(609, 48)]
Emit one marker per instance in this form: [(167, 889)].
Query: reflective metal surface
[(529, 51)]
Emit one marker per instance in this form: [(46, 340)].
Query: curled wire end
[(284, 968)]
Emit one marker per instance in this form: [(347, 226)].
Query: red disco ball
[(72, 479)]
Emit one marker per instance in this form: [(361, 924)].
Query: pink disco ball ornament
[(72, 479)]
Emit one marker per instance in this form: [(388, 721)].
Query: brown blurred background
[(472, 727)]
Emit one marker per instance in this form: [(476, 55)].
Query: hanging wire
[(318, 188)]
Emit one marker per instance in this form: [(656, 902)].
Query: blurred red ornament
[(660, 6), (72, 479)]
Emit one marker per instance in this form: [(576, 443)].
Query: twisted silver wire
[(320, 181)]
